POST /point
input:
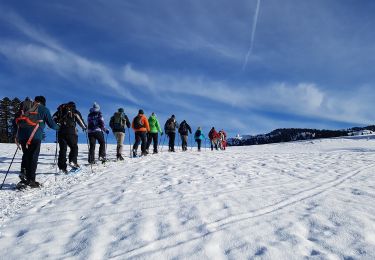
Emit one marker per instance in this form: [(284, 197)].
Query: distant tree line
[(8, 109)]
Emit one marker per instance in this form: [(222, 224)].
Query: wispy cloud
[(303, 99), (45, 52)]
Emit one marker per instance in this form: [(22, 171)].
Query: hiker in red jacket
[(214, 138)]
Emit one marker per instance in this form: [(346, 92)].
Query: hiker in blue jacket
[(30, 124)]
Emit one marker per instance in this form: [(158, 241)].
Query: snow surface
[(300, 200)]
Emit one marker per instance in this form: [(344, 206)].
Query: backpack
[(170, 124), (94, 121), (28, 117), (138, 122), (183, 128), (118, 121), (197, 134), (66, 115)]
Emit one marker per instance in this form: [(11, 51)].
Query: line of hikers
[(33, 116)]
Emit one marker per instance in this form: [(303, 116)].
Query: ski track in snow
[(300, 200)]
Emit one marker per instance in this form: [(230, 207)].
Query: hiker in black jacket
[(170, 129), (117, 123), (184, 130), (67, 116)]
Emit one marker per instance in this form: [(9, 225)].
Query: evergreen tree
[(5, 119), (8, 111), (15, 107)]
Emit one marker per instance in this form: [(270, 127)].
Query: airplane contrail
[(252, 35)]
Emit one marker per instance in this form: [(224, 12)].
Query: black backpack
[(170, 125), (66, 115), (183, 128), (138, 122)]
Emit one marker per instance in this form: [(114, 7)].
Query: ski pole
[(9, 167), (88, 150)]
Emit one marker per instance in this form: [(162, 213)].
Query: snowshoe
[(75, 170), (34, 184), (21, 185)]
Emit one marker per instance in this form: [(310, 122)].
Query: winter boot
[(22, 175), (74, 165)]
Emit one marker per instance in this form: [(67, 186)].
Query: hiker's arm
[(128, 125), (49, 121), (80, 121)]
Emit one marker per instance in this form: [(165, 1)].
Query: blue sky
[(311, 64)]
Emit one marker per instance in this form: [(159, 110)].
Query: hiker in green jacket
[(153, 134)]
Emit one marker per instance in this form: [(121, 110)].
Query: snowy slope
[(312, 199)]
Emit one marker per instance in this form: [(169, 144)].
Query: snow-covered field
[(302, 200)]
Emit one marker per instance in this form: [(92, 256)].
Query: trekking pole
[(106, 141), (55, 160), (165, 136), (9, 167), (205, 144), (130, 146), (88, 150), (178, 141), (191, 142), (159, 142)]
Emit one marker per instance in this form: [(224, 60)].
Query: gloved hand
[(107, 131), (84, 129)]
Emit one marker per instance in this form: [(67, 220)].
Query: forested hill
[(295, 134)]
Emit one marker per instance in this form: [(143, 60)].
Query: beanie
[(140, 112), (121, 110), (96, 107)]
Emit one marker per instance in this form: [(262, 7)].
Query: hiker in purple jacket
[(96, 129)]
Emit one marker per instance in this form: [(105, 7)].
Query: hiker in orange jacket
[(141, 127)]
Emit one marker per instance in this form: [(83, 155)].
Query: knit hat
[(41, 100), (153, 114), (173, 116), (140, 111), (96, 107), (121, 110)]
